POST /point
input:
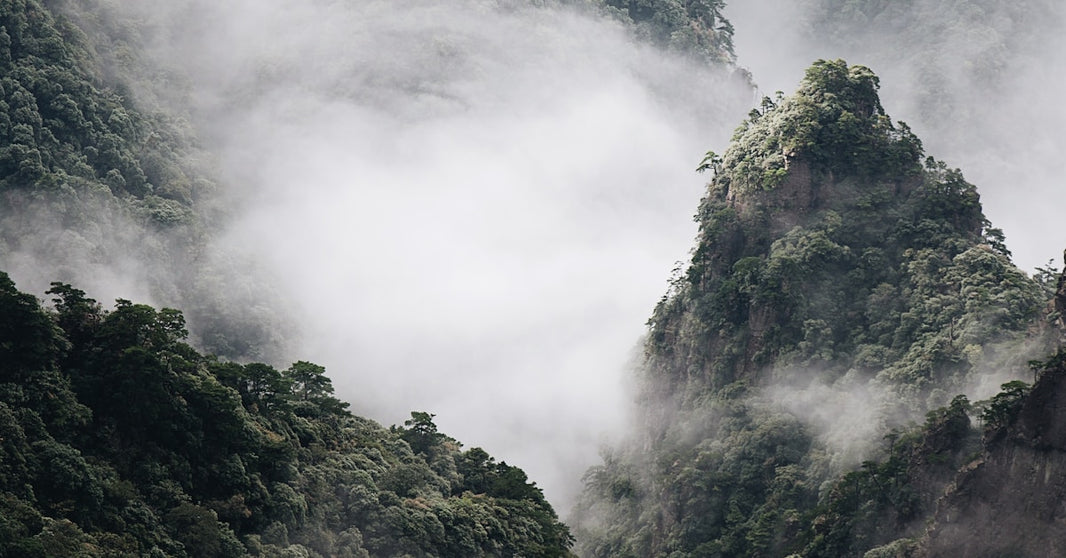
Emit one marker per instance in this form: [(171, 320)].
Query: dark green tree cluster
[(695, 27), (829, 249), (835, 122), (119, 439), (874, 505), (66, 127)]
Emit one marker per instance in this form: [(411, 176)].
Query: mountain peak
[(840, 284), (833, 126), (820, 207)]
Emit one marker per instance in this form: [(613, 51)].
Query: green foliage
[(119, 439), (1048, 278), (885, 499), (695, 27), (32, 341), (63, 125), (1002, 409), (711, 161), (867, 259), (420, 433), (96, 169)]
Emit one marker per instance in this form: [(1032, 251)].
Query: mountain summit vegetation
[(842, 286)]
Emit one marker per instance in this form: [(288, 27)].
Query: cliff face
[(1011, 501)]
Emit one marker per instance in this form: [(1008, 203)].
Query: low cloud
[(471, 209)]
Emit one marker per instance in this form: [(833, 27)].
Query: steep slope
[(840, 284), (68, 129), (1012, 494), (118, 439)]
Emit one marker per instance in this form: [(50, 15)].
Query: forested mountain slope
[(104, 183), (1011, 493), (842, 286), (119, 439), (70, 128), (819, 381)]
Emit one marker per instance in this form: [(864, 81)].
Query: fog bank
[(473, 208)]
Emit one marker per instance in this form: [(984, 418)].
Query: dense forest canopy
[(104, 182), (66, 127), (119, 439)]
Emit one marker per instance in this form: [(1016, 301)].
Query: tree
[(263, 387), (29, 339), (1048, 277), (995, 238), (1004, 406), (711, 161), (310, 384), (420, 432), (76, 313), (308, 381)]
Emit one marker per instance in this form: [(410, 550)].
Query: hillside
[(119, 439), (1012, 492), (964, 74), (842, 286)]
